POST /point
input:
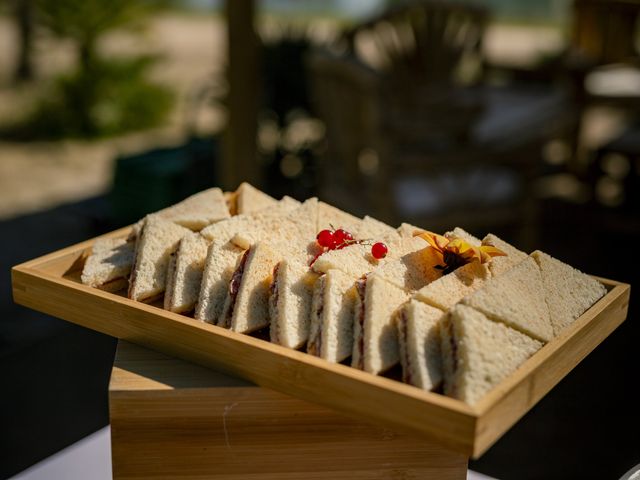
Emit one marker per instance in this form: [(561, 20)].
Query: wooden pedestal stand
[(173, 419)]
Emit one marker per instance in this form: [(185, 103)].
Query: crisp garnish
[(457, 252), (337, 239), (379, 250)]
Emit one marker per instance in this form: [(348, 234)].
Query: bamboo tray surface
[(51, 284)]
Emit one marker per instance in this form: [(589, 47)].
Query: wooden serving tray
[(51, 284)]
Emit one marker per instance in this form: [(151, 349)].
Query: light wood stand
[(173, 419)]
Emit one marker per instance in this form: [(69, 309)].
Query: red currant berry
[(379, 250), (342, 236), (325, 238)]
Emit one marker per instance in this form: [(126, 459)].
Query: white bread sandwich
[(246, 306), (184, 274), (290, 236), (479, 353), (332, 313), (157, 240), (414, 269), (443, 294), (449, 289), (292, 312), (517, 299), (293, 241), (375, 322), (419, 338), (333, 309), (109, 264), (290, 302), (330, 217), (375, 337), (568, 291), (438, 296), (500, 265), (223, 255), (230, 199), (249, 199), (194, 212), (221, 261), (375, 230), (188, 263), (356, 260), (298, 227)]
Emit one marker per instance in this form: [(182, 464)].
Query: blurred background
[(514, 117)]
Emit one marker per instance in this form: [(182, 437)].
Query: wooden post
[(172, 419), (240, 162)]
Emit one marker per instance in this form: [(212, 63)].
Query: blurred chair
[(604, 58), (413, 131)]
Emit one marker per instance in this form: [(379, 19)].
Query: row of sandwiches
[(247, 262)]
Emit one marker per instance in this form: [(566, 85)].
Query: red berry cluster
[(340, 238), (334, 239)]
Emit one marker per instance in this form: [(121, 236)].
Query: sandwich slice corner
[(158, 239), (517, 299), (109, 264), (375, 337), (500, 265), (249, 199), (332, 313), (184, 275), (290, 303), (477, 353), (569, 292), (330, 217), (419, 339), (246, 307), (220, 262), (449, 289)]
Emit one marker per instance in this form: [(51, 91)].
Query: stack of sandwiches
[(247, 262)]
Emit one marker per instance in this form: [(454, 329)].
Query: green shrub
[(111, 97)]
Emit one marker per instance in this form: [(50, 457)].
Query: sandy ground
[(35, 176)]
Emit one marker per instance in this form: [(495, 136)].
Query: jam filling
[(406, 361), (361, 286), (234, 288), (454, 356), (314, 347), (274, 296)]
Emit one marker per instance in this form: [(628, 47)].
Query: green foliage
[(87, 19), (110, 98), (100, 97)]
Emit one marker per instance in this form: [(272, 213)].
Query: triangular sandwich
[(184, 275), (419, 339), (157, 240), (109, 264), (517, 299), (479, 353), (568, 291)]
